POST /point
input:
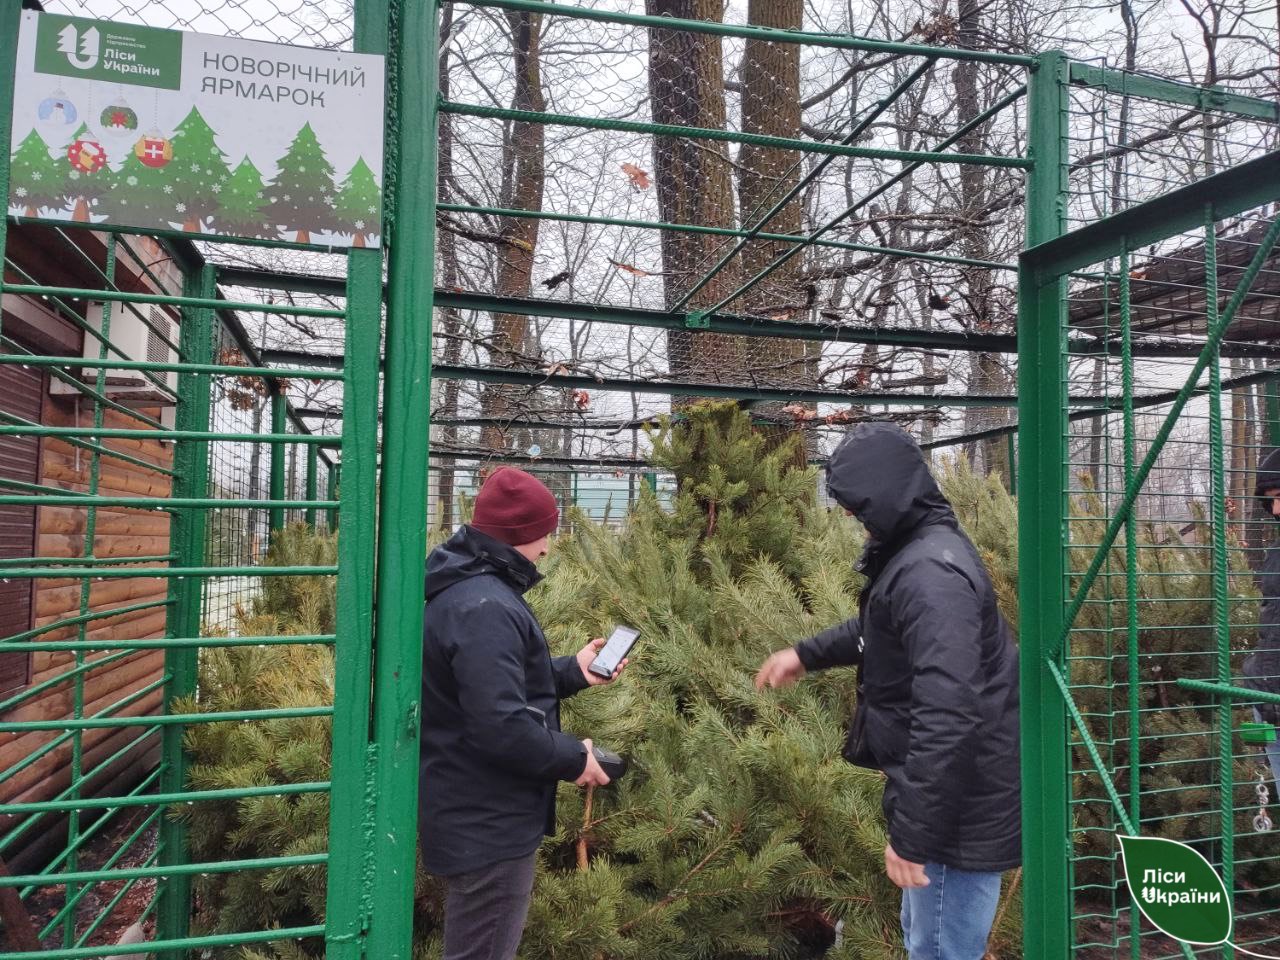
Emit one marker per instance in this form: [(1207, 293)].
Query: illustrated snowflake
[(131, 181), (195, 168), (37, 175), (208, 172), (181, 208), (168, 188), (302, 169), (20, 192), (75, 174), (372, 211), (287, 198), (217, 187), (360, 225)]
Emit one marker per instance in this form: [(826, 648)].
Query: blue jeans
[(951, 918)]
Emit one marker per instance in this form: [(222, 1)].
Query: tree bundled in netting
[(739, 832)]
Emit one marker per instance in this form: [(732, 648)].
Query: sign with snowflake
[(168, 131)]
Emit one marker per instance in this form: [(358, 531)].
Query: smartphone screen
[(620, 643)]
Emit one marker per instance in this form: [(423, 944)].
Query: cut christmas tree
[(358, 208), (35, 177), (198, 173), (301, 197)]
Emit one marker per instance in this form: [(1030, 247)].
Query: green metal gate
[(1137, 524)]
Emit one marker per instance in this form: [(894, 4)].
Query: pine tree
[(198, 172), (34, 177), (242, 202), (358, 207), (301, 197), (139, 195), (80, 189)]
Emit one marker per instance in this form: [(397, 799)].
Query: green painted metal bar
[(279, 406), (832, 40), (99, 573), (128, 433), (1134, 686), (615, 125), (975, 124), (73, 621), (23, 428), (165, 799), (175, 504), (348, 916), (43, 686), (402, 532), (1273, 411), (802, 184), (110, 862), (332, 493), (187, 540), (1042, 479), (186, 945), (1214, 337), (108, 278), (313, 482), (726, 232), (1228, 690), (193, 303), (536, 378), (1144, 87), (217, 369), (174, 643), (1218, 492), (31, 822), (1236, 190), (98, 721)]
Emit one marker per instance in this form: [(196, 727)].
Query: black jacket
[(937, 703), (492, 750), (1262, 666)]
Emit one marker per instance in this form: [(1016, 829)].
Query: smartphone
[(612, 653)]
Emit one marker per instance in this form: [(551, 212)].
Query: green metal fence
[(680, 291)]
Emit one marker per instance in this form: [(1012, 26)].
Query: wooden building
[(30, 689)]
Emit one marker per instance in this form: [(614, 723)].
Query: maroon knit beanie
[(515, 507)]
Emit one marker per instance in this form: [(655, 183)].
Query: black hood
[(470, 553), (878, 473), (1268, 474)]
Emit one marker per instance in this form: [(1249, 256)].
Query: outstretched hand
[(587, 654), (780, 670)]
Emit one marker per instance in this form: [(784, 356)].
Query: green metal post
[(279, 414), (187, 533), (335, 483), (313, 478), (402, 526), (1042, 428), (350, 839), (1012, 440)]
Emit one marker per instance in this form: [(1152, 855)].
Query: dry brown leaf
[(639, 178), (636, 271)]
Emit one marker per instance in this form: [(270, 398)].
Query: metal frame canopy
[(386, 377)]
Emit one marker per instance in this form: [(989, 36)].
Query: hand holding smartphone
[(614, 651)]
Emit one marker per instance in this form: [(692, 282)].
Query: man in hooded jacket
[(937, 707), (1262, 666), (492, 750)]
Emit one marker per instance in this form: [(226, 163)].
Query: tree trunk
[(525, 160), (358, 240), (304, 236), (81, 212), (31, 212), (192, 225), (686, 88)]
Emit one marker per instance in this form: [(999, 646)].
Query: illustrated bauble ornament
[(57, 116), (87, 156), (119, 118), (153, 150)]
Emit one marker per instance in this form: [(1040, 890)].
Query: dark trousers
[(484, 910)]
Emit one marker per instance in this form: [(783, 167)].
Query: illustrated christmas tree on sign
[(301, 198), (358, 208), (85, 178), (35, 178), (241, 212), (198, 173), (140, 193)]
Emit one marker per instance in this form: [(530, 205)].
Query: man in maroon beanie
[(492, 750)]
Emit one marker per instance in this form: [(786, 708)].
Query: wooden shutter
[(21, 394)]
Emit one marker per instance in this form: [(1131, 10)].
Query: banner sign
[(153, 129)]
